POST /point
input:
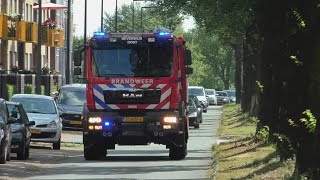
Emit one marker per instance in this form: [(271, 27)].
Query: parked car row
[(27, 118)]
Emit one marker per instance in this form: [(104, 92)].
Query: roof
[(32, 96), (74, 86)]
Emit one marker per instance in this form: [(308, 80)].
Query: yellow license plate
[(75, 122), (36, 131), (133, 119)]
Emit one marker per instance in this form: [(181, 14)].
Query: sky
[(94, 14)]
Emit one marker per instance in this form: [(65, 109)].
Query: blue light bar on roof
[(164, 33), (100, 33)]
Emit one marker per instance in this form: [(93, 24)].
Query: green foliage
[(152, 19), (284, 146), (263, 134), (296, 60), (11, 90), (299, 18), (310, 122), (29, 89), (77, 42), (260, 86), (43, 90)]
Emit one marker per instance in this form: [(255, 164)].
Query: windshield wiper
[(107, 76), (35, 111)]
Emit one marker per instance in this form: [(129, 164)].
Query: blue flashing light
[(107, 124), (163, 33), (100, 33)]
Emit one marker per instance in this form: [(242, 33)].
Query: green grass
[(245, 157)]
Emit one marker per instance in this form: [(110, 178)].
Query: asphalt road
[(125, 162)]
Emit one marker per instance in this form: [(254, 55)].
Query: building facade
[(18, 37)]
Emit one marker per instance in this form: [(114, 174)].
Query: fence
[(22, 83)]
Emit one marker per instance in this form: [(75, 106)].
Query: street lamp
[(141, 25), (133, 11), (38, 76), (101, 15)]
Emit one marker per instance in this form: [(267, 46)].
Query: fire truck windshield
[(133, 61)]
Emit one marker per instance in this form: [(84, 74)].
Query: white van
[(200, 92)]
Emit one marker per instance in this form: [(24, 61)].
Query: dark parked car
[(222, 97), (70, 101), (193, 113), (198, 105), (232, 95), (5, 132), (21, 133)]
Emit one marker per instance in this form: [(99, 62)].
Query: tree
[(152, 19)]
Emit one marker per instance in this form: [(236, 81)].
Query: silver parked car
[(44, 112), (212, 97)]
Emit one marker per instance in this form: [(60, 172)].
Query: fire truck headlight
[(94, 120), (170, 119)]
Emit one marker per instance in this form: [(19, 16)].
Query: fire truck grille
[(143, 96)]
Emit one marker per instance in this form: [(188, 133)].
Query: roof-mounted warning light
[(100, 33)]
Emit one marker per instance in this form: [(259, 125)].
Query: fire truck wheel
[(178, 153), (93, 152)]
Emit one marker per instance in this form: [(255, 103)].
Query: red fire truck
[(136, 92)]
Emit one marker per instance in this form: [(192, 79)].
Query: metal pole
[(101, 15), (38, 75), (68, 43), (85, 42), (116, 23)]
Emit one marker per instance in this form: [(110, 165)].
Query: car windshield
[(196, 91), (37, 105), (72, 97), (222, 94), (231, 93), (191, 102), (14, 111), (210, 92), (133, 61)]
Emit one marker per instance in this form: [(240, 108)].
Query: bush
[(11, 90), (29, 89), (43, 90)]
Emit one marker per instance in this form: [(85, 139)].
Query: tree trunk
[(238, 48)]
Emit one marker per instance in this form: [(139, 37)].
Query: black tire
[(3, 153), (205, 111), (92, 152), (21, 154), (57, 145), (27, 152), (9, 154), (196, 126), (201, 119), (178, 153)]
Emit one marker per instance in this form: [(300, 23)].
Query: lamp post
[(38, 75), (141, 23), (68, 43), (101, 15), (133, 12), (85, 41), (116, 20)]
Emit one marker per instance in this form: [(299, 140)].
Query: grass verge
[(243, 157)]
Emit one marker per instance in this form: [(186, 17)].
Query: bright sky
[(94, 12)]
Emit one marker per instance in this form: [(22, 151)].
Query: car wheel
[(57, 145), (21, 154), (205, 110), (8, 153), (201, 119), (27, 152), (3, 153)]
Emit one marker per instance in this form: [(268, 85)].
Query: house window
[(27, 62), (31, 61)]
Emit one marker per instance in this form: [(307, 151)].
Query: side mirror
[(31, 123), (12, 120), (187, 57), (189, 70), (77, 71), (76, 58)]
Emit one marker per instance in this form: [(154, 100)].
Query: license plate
[(36, 131), (76, 122), (133, 119)]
